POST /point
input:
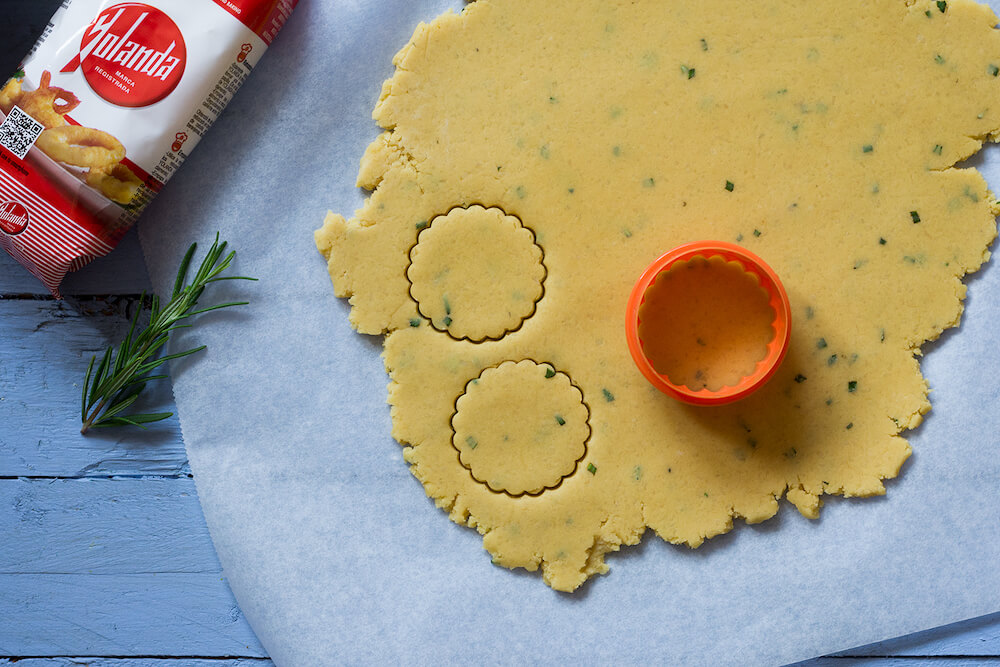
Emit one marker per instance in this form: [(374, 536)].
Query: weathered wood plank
[(161, 614), (975, 637), (921, 661), (113, 567), (121, 272), (44, 349), (103, 526), (138, 662)]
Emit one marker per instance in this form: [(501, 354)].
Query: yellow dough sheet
[(537, 156)]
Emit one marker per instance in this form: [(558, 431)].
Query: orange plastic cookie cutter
[(781, 324)]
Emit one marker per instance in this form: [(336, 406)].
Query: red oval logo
[(133, 55), (13, 218)]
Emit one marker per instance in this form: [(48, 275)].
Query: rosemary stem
[(122, 374), (93, 416)]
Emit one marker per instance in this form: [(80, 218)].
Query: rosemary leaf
[(135, 420), (86, 383), (122, 373)]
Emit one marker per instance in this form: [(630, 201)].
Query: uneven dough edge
[(385, 155)]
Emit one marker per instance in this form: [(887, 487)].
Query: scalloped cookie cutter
[(781, 323)]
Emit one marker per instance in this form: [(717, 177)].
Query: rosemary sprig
[(122, 375)]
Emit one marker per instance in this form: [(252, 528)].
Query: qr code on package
[(19, 132)]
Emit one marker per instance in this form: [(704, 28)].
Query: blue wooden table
[(105, 558)]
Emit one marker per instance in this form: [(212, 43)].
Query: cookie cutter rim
[(777, 299)]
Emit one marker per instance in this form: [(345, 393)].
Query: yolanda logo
[(132, 55), (13, 217)]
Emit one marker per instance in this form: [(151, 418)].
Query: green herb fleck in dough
[(688, 71), (881, 241), (550, 373), (810, 313), (928, 13), (591, 468), (791, 453), (414, 322), (800, 378), (829, 401), (637, 473), (572, 190), (608, 396), (520, 192), (447, 321), (704, 44), (421, 224), (627, 233), (447, 305), (471, 442), (706, 494), (881, 337), (852, 386), (994, 70), (875, 189), (616, 150), (867, 148), (544, 152), (730, 186), (939, 59), (649, 182), (832, 360), (938, 148), (739, 237), (942, 6), (850, 425), (756, 233), (915, 217), (553, 100), (560, 420), (821, 343)]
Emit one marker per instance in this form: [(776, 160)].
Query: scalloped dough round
[(820, 135)]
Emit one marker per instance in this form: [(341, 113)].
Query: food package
[(105, 108)]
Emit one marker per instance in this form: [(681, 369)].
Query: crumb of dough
[(605, 132)]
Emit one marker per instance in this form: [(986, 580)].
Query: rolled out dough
[(587, 137)]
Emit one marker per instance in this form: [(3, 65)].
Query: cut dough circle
[(476, 273), (521, 428)]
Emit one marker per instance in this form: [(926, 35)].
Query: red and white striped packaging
[(105, 108)]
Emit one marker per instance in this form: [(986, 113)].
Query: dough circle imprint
[(520, 428), (476, 273), (822, 136)]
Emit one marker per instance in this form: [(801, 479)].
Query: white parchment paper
[(333, 550)]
